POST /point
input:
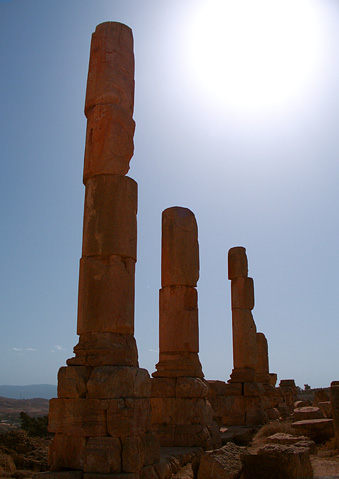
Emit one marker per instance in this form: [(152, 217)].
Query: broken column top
[(111, 67), (237, 262), (180, 248)]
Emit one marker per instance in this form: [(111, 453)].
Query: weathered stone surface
[(273, 379), (109, 141), (132, 454), (180, 249), (242, 293), (103, 455), (121, 475), (78, 417), (180, 364), (106, 295), (309, 412), (287, 383), (191, 387), (237, 263), (178, 311), (111, 67), (180, 411), (151, 447), (318, 430), (148, 472), (262, 366), (245, 410), (107, 382), (110, 224), (298, 404), (129, 417), (321, 395), (217, 388), (59, 475), (242, 375), (100, 349), (279, 461), (163, 387), (325, 408), (235, 388), (244, 339), (272, 413), (223, 463), (221, 406), (253, 389), (72, 381), (334, 396), (66, 452)]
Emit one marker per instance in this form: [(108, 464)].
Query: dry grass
[(273, 428)]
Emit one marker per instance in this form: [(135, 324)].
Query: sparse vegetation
[(273, 428), (35, 426)]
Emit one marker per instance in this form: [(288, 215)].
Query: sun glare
[(255, 54)]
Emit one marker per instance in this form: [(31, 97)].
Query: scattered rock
[(223, 463), (319, 430)]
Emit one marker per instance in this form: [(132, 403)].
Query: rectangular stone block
[(163, 387), (106, 295), (66, 452), (237, 263), (217, 388), (180, 248), (72, 381), (132, 454), (181, 411), (111, 67), (109, 141), (233, 389), (103, 455), (128, 417), (178, 319), (244, 341), (107, 382), (110, 221), (191, 388), (242, 293), (253, 389), (151, 446), (78, 417), (178, 364)]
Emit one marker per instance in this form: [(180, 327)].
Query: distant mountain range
[(45, 391)]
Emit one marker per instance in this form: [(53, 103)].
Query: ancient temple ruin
[(102, 416)]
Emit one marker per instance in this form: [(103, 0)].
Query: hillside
[(46, 391)]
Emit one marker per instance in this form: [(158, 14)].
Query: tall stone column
[(243, 325), (262, 367), (102, 416), (181, 413)]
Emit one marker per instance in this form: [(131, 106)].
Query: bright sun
[(255, 54)]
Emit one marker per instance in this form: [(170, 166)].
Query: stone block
[(58, 475), (121, 475), (308, 412), (180, 411), (132, 454), (66, 452), (72, 381), (100, 349), (242, 293), (217, 388), (109, 141), (221, 406), (191, 435), (103, 455), (78, 417), (106, 295), (128, 417), (325, 408), (273, 379), (223, 463), (151, 447), (111, 67), (237, 263), (191, 387), (107, 382), (275, 460), (110, 223), (178, 319), (234, 389), (165, 433), (178, 364), (244, 340), (180, 249), (149, 472), (163, 387), (253, 389), (319, 430)]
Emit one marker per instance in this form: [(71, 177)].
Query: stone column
[(102, 416), (181, 413), (243, 325), (262, 368)]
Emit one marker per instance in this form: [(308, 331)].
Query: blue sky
[(260, 173)]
